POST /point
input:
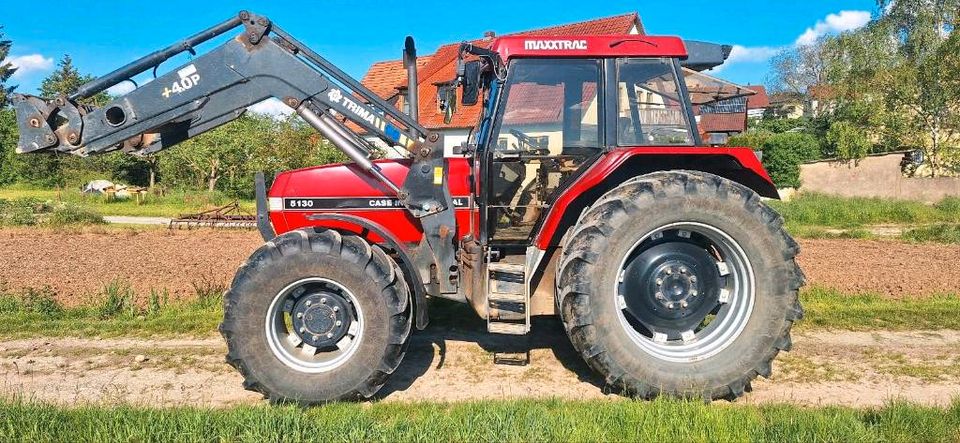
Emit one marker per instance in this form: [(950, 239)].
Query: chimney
[(489, 35)]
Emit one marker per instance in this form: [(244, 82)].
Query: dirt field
[(831, 368), (79, 263)]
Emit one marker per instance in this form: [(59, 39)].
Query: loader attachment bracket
[(36, 134)]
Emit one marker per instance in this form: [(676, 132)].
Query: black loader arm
[(216, 87)]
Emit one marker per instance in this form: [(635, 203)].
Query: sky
[(103, 35)]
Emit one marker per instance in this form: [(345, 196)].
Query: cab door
[(549, 125)]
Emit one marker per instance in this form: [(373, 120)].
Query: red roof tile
[(441, 67), (760, 99), (727, 122), (384, 78)]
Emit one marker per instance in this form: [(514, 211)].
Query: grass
[(829, 309), (117, 311), (170, 205), (810, 215), (941, 233), (899, 365), (808, 209), (514, 420)]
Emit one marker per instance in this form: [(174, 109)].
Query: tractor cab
[(553, 105)]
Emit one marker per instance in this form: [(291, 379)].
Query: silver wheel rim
[(287, 346), (738, 299)]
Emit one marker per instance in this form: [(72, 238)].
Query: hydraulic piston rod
[(327, 129)]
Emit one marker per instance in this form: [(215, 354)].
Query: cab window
[(650, 110), (549, 128)]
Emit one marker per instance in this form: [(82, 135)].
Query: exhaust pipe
[(410, 63)]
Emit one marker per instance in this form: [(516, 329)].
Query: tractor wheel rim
[(726, 303), (314, 325)]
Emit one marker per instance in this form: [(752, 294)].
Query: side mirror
[(471, 82), (448, 102)]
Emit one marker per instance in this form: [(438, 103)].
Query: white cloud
[(272, 107), (30, 63), (833, 23), (745, 54), (121, 88), (753, 54), (840, 22)]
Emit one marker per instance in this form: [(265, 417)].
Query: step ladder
[(508, 303)]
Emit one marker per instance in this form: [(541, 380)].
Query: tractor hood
[(298, 197)]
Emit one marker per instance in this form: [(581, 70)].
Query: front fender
[(410, 259)]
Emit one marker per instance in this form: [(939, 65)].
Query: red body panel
[(346, 181), (597, 46), (610, 162)]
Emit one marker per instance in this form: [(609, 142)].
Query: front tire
[(679, 283), (316, 316)]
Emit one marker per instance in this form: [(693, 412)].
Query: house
[(789, 105), (388, 79), (758, 103), (721, 118), (821, 99)]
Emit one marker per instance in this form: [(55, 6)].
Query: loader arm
[(216, 87)]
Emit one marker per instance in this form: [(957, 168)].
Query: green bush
[(32, 301), (70, 214), (117, 299), (750, 139), (31, 211), (783, 153), (847, 140)]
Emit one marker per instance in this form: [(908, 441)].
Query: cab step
[(502, 327), (508, 304)]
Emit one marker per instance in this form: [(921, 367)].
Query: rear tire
[(694, 338), (361, 306)]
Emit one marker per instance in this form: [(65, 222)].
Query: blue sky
[(103, 35)]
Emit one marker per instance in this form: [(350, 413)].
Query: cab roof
[(592, 46)]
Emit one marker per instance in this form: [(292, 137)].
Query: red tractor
[(582, 192)]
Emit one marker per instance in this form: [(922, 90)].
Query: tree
[(6, 69), (896, 80), (783, 153), (226, 159), (797, 69), (66, 79), (203, 161)]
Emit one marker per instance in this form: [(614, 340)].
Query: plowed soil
[(886, 267), (78, 264)]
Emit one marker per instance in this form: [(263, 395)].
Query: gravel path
[(825, 368)]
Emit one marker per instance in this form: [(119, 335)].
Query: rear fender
[(737, 164)]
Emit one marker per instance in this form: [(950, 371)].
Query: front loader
[(582, 192)]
